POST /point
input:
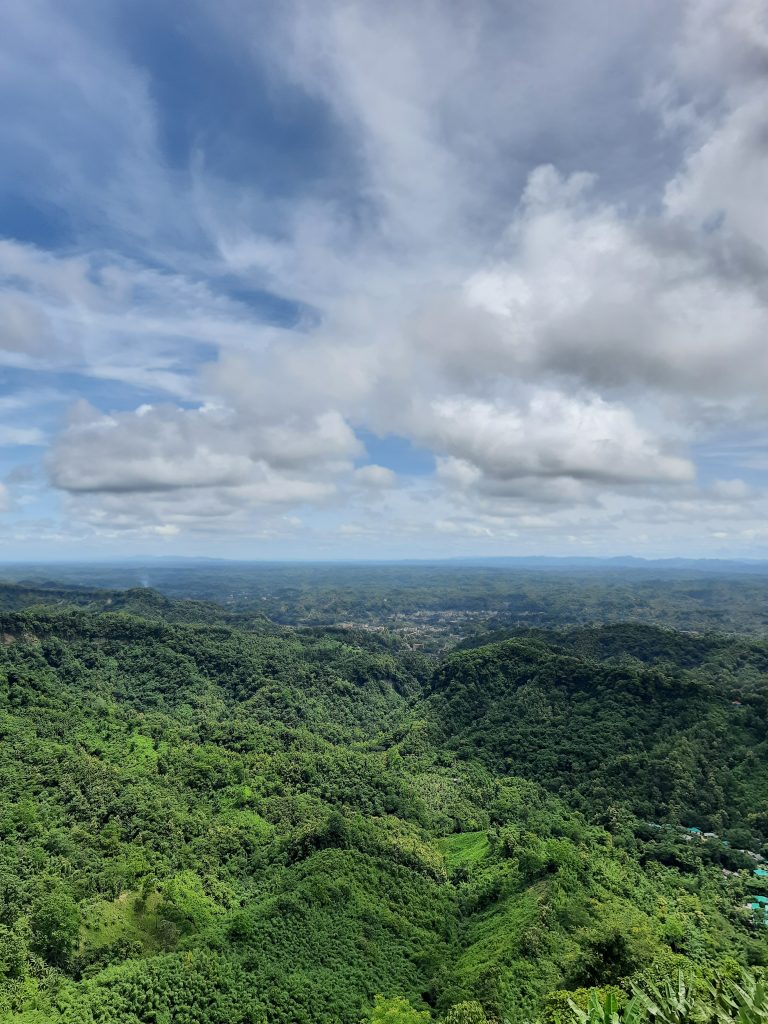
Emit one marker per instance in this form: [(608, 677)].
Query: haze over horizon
[(417, 280)]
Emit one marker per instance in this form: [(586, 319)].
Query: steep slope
[(662, 741)]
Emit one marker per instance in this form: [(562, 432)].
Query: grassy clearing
[(464, 849), (107, 922)]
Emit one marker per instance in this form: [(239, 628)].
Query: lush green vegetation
[(433, 605), (213, 819), (666, 726)]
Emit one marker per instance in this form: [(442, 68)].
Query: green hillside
[(678, 736), (206, 824)]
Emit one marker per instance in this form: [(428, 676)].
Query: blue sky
[(321, 279)]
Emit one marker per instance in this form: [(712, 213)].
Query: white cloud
[(617, 302), (375, 477), (553, 435), (164, 448), (163, 530), (543, 262), (21, 436)]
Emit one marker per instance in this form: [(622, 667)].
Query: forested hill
[(670, 727), (222, 825), (140, 601)]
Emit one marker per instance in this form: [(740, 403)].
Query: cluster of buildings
[(759, 908), (757, 905), (696, 833)]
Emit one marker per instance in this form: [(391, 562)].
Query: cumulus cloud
[(617, 302), (554, 435), (146, 450), (156, 449)]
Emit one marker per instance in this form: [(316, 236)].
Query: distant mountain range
[(545, 562)]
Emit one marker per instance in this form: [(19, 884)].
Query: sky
[(344, 279)]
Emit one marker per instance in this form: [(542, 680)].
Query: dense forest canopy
[(209, 815)]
